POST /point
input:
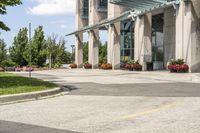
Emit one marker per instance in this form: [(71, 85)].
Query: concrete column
[(113, 49), (143, 47), (183, 32), (188, 34), (94, 17), (94, 48), (169, 34), (79, 51), (114, 45), (79, 38)]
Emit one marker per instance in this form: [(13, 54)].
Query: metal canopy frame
[(138, 7)]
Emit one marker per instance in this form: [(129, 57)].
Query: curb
[(8, 99)]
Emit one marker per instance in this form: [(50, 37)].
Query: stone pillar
[(113, 49), (169, 34), (114, 45), (188, 34), (94, 17), (79, 51), (143, 47), (79, 37), (94, 48)]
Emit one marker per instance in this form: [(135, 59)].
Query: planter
[(133, 67), (178, 68), (73, 66), (87, 66), (137, 67), (106, 66)]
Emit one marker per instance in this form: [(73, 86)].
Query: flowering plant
[(178, 66), (106, 66), (87, 65), (133, 65), (73, 66)]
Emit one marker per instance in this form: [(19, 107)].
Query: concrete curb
[(6, 99)]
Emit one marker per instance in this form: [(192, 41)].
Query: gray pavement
[(111, 102)]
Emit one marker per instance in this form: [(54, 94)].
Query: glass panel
[(127, 41), (157, 41)]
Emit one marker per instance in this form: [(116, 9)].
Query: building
[(151, 31)]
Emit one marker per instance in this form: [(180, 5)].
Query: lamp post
[(73, 46), (30, 64)]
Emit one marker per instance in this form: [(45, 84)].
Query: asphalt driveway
[(109, 102)]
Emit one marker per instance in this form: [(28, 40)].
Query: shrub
[(29, 69), (9, 63), (1, 69), (18, 69), (106, 66)]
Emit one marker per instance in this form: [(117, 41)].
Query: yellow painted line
[(164, 107)]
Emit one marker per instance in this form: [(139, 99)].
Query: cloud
[(63, 26), (52, 7)]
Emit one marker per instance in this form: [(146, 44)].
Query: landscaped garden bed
[(178, 66), (13, 84)]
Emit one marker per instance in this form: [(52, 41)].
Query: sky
[(56, 16)]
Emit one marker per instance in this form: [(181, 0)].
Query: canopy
[(138, 7)]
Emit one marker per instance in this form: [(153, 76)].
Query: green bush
[(8, 63)]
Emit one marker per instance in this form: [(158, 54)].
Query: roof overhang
[(138, 7)]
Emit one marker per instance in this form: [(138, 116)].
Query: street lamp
[(30, 56), (73, 46)]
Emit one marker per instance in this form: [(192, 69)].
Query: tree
[(85, 52), (103, 53), (3, 51), (38, 48), (18, 48), (3, 5), (56, 52)]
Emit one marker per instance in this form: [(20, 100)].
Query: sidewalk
[(118, 76)]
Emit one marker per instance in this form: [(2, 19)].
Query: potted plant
[(106, 66), (87, 65), (178, 66), (133, 65), (73, 66)]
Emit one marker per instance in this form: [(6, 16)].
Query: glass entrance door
[(127, 41), (158, 42)]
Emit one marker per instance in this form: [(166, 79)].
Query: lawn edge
[(7, 99)]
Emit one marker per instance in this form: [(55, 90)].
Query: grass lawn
[(13, 84)]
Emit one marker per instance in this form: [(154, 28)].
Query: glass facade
[(158, 42), (85, 9), (102, 5), (127, 41)]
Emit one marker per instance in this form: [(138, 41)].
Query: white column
[(143, 47), (114, 45), (94, 48), (79, 51), (184, 32)]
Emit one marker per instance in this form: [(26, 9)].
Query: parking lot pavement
[(163, 106)]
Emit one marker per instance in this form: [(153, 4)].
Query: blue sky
[(56, 16)]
